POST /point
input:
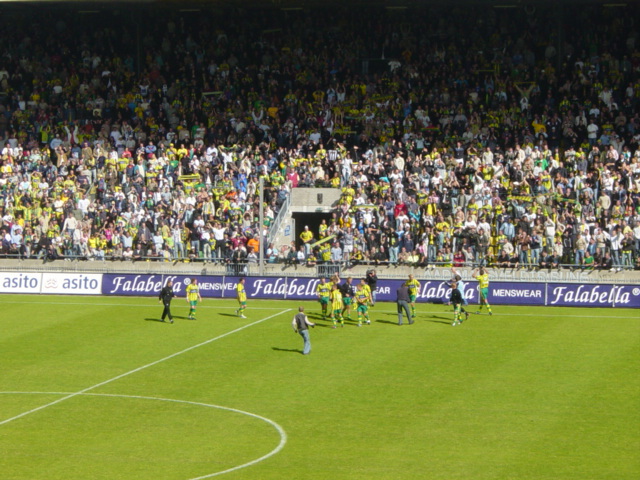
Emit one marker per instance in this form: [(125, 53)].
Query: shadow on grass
[(290, 350), (387, 321), (229, 315), (159, 320), (323, 325), (446, 322)]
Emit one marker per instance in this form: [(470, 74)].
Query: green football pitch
[(98, 388)]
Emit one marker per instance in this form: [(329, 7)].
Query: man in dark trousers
[(166, 294), (348, 293), (372, 281), (456, 300), (301, 325), (402, 299)]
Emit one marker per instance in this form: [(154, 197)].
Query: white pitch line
[(135, 370), (130, 304), (280, 430)]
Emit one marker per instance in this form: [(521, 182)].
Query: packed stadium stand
[(454, 134)]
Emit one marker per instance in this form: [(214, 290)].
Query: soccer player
[(336, 306), (193, 297), (323, 290), (414, 288), (461, 287), (483, 284), (456, 301), (241, 295), (367, 288), (363, 300), (347, 297)]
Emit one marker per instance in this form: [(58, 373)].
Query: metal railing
[(277, 222), (340, 265)]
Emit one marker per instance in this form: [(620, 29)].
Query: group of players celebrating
[(338, 299)]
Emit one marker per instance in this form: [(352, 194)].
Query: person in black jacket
[(166, 294), (348, 292), (456, 301), (372, 281)]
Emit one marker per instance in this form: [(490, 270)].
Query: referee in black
[(166, 294)]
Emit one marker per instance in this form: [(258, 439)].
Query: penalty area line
[(136, 370)]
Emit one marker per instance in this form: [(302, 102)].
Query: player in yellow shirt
[(193, 297), (324, 292), (363, 300), (336, 306), (414, 288), (483, 285), (367, 289), (241, 295)]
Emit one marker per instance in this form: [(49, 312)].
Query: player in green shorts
[(241, 295), (414, 288), (483, 284), (336, 306), (348, 292), (362, 300), (193, 297), (323, 290)]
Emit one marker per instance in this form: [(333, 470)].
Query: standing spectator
[(301, 324), (336, 253), (307, 239), (402, 301), (616, 243)]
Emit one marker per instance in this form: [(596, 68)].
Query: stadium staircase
[(301, 200)]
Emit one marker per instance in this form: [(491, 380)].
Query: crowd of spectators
[(502, 138)]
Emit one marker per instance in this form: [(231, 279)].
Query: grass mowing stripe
[(276, 308), (135, 370)]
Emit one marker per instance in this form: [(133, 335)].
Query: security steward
[(166, 294)]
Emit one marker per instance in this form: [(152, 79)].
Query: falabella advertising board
[(436, 291)]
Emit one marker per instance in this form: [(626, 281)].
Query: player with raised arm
[(482, 276), (456, 300), (462, 286)]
